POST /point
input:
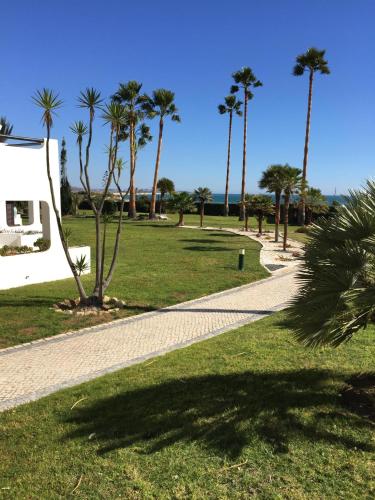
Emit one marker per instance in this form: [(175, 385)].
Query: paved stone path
[(30, 371)]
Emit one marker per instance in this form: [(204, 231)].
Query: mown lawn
[(246, 414), (159, 265)]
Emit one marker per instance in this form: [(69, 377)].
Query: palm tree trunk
[(277, 214), (286, 220), (160, 203), (181, 218), (302, 207), (132, 212), (260, 228), (152, 214), (246, 222), (201, 213), (243, 184), (226, 198)]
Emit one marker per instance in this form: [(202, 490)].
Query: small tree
[(165, 186), (273, 181), (316, 204), (292, 185), (261, 205), (245, 203), (202, 195), (182, 202), (65, 189)]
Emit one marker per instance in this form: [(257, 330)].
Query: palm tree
[(245, 79), (162, 105), (232, 105), (261, 205), (272, 181), (182, 202), (165, 186), (291, 185), (202, 195), (6, 128), (311, 61), (315, 203), (128, 94), (337, 294)]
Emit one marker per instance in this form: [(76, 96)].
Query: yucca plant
[(6, 128), (337, 294)]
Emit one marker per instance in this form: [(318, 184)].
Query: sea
[(235, 198)]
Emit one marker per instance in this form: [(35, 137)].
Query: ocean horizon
[(235, 198)]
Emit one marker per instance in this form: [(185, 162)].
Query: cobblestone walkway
[(28, 372)]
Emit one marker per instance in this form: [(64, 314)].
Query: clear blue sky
[(192, 47)]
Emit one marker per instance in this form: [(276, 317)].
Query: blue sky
[(192, 48)]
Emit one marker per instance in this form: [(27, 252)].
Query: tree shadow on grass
[(224, 413), (201, 248)]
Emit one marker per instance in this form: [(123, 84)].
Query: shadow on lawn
[(225, 413), (202, 248)]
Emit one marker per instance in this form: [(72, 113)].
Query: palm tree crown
[(292, 180), (232, 105), (246, 79), (272, 178), (203, 195), (161, 104), (312, 60)]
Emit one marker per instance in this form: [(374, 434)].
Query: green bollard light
[(241, 260)]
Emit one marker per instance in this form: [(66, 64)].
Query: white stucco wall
[(23, 177)]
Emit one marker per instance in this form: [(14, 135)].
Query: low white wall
[(38, 267), (19, 239)]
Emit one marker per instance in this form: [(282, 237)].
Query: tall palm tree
[(202, 195), (6, 128), (129, 95), (272, 181), (291, 185), (337, 294), (161, 104), (165, 186), (182, 202), (261, 205), (232, 105), (311, 61), (315, 203), (245, 79)]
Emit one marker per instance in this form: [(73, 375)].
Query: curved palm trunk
[(302, 207), (286, 220), (226, 198), (243, 184), (132, 212), (152, 214), (277, 214), (81, 290)]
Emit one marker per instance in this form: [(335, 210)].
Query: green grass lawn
[(246, 414), (159, 265)]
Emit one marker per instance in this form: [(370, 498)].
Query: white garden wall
[(23, 177)]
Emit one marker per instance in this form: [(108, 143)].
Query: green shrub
[(303, 229), (7, 250), (42, 244)]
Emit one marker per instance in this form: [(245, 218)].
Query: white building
[(23, 178)]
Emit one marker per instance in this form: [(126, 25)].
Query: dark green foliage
[(312, 60), (110, 207), (337, 295), (65, 189), (43, 244), (6, 128), (7, 250)]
